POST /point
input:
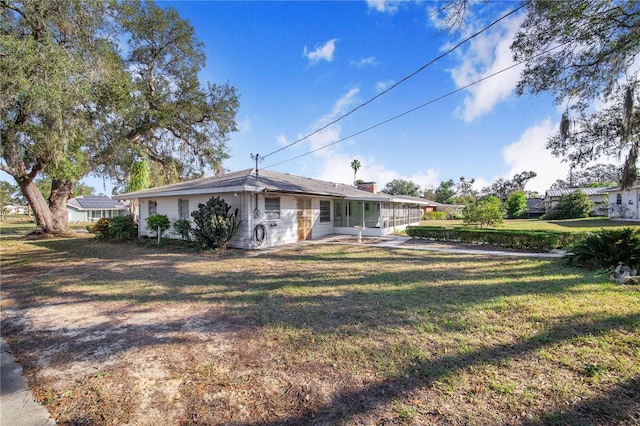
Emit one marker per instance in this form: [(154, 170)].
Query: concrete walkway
[(18, 407)]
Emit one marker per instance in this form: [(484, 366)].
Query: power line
[(395, 117), (422, 68)]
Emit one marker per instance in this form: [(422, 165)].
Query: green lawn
[(16, 225), (589, 224), (326, 334)]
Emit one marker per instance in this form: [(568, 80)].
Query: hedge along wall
[(531, 240)]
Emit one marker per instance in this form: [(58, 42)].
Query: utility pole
[(256, 158)]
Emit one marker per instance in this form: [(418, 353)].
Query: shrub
[(101, 228), (530, 240), (487, 212), (606, 249), (183, 228), (215, 224), (516, 205), (158, 221), (122, 228), (434, 216), (571, 206)]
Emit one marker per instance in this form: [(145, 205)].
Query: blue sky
[(298, 65)]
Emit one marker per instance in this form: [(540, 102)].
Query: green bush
[(571, 206), (158, 221), (122, 228), (606, 249), (183, 228), (516, 205), (101, 228), (434, 216), (215, 224), (487, 212), (530, 240)]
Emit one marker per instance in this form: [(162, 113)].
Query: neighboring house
[(15, 209), (89, 208), (597, 195), (279, 208), (433, 206), (535, 207), (624, 204)]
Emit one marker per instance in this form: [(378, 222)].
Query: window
[(153, 208), (619, 199), (272, 207), (325, 211), (183, 209)]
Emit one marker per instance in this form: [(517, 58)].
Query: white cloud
[(324, 52), (245, 125), (530, 153), (365, 62), (341, 106), (389, 6), (487, 54), (383, 85)]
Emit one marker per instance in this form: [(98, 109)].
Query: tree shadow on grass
[(620, 405), (424, 373), (328, 293)]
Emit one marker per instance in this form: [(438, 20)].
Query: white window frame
[(326, 217), (272, 207), (183, 213), (153, 207)]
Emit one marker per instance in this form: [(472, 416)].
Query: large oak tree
[(74, 103)]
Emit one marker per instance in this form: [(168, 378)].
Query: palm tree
[(355, 165)]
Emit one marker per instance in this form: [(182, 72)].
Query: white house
[(624, 204), (597, 195), (279, 208)]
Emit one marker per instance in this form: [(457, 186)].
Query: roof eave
[(183, 192)]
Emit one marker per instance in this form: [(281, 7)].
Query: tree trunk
[(44, 218), (61, 191)]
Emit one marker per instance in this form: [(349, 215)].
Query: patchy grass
[(326, 334), (578, 225)]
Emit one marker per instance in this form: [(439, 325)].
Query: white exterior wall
[(630, 206), (320, 229), (169, 206), (279, 231)]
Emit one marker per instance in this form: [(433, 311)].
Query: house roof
[(96, 202), (619, 188), (535, 204), (564, 191), (266, 181)]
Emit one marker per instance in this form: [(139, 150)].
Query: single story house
[(89, 208), (624, 204), (597, 195), (279, 208), (15, 209)]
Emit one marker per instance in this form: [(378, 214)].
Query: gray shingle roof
[(565, 191), (267, 181), (96, 202)]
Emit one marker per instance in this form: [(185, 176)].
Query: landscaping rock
[(624, 274)]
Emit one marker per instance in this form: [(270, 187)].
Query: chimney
[(367, 186)]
